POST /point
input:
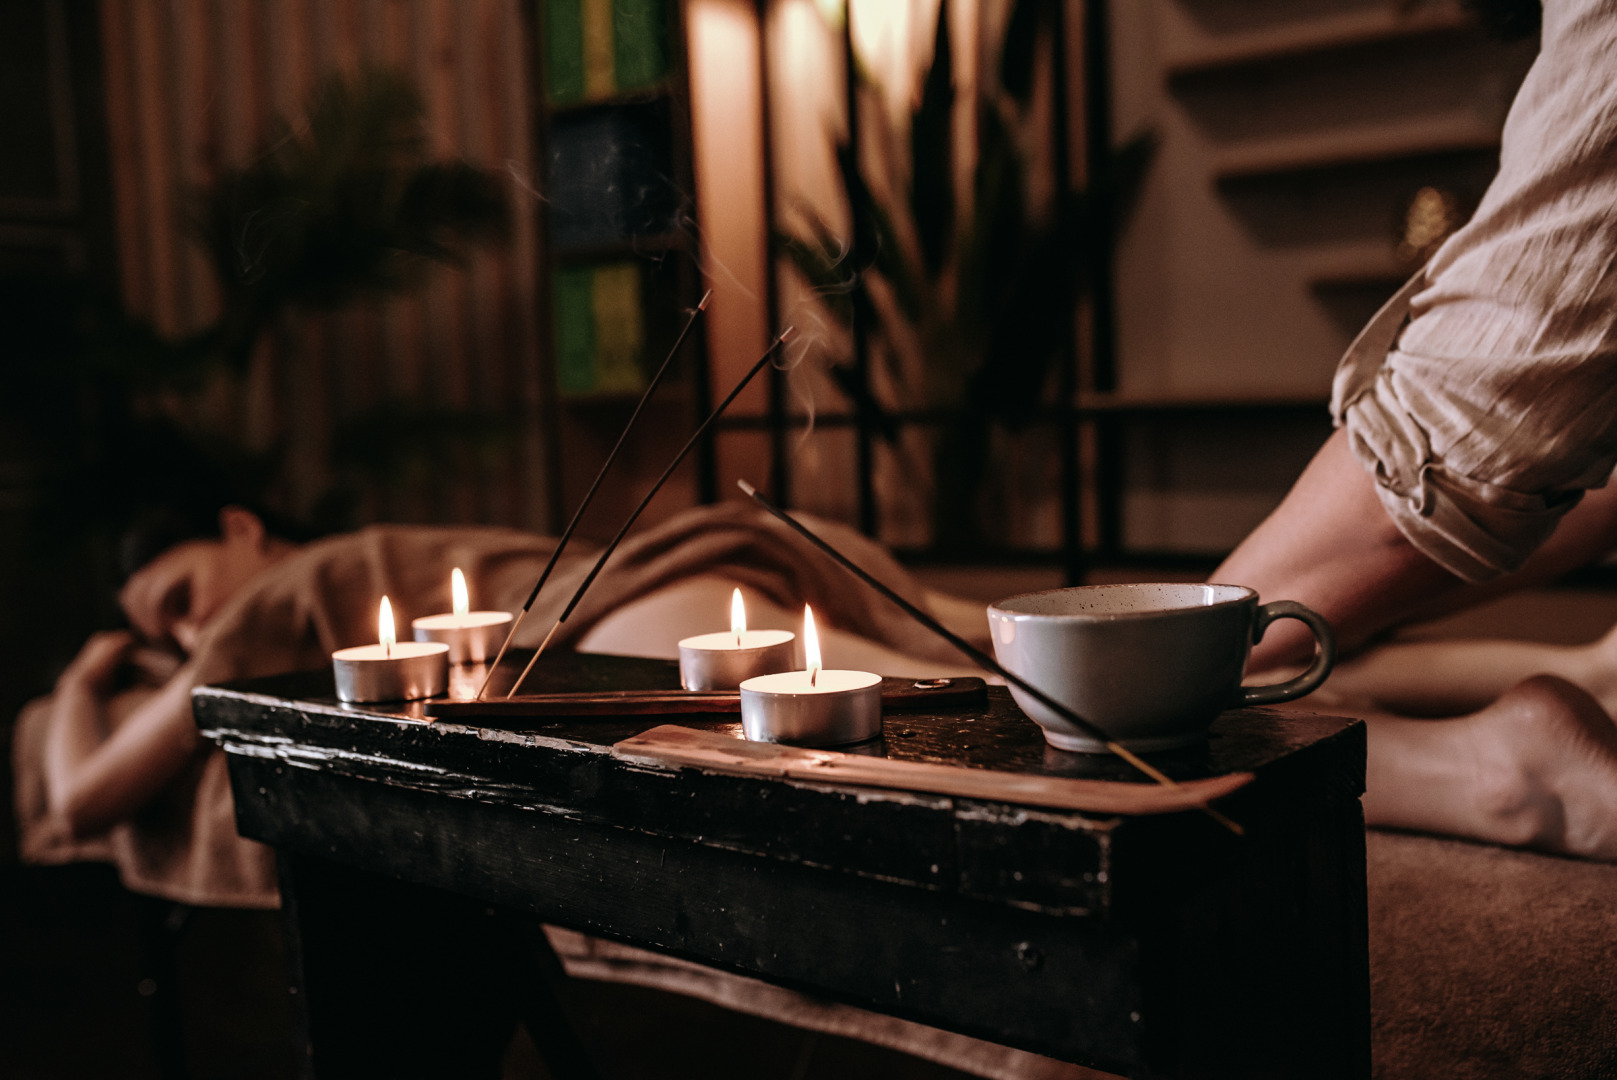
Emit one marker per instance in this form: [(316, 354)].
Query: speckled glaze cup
[(1151, 665)]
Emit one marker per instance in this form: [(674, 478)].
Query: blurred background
[(1069, 278)]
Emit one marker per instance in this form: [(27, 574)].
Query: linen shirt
[(1483, 396)]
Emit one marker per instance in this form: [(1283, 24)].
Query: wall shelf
[(1333, 149), (1318, 35), (1295, 136)]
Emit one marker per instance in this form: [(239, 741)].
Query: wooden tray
[(896, 696)]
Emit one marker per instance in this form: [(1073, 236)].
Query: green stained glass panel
[(575, 331), (564, 49), (620, 335), (640, 42)]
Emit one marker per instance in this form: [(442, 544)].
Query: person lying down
[(112, 765)]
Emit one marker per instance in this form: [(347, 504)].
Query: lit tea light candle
[(814, 707), (722, 661), (390, 670), (472, 636)]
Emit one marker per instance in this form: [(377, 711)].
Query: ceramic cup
[(1150, 665)]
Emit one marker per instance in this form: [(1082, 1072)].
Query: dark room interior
[(1038, 313)]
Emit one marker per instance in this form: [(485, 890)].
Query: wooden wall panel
[(194, 86)]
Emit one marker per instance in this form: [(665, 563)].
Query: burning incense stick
[(976, 654), (645, 502), (589, 495)]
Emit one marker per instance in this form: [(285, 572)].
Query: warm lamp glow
[(457, 590), (738, 616), (384, 626), (811, 644)]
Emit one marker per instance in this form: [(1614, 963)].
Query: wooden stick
[(976, 654), (589, 495), (896, 695), (656, 487)]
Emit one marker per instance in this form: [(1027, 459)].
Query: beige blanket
[(185, 847)]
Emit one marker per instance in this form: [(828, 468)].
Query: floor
[(77, 1002)]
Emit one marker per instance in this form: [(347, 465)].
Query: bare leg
[(1448, 677), (1537, 768), (1444, 678)]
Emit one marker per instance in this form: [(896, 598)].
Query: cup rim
[(1246, 595)]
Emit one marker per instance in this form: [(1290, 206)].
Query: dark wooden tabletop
[(926, 839), (993, 735)]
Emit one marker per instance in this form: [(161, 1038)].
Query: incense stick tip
[(746, 488), (787, 333), (702, 304)]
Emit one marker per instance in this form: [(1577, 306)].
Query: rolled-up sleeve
[(1483, 397)]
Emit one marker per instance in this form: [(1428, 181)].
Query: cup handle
[(1308, 681)]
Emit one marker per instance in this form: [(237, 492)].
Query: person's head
[(181, 576)]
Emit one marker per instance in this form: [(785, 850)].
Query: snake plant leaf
[(1016, 53), (864, 242), (994, 232), (876, 244), (894, 264), (932, 153), (1030, 321), (1122, 181)]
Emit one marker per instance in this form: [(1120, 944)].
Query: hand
[(99, 661), (152, 666)]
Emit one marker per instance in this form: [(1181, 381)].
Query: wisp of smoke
[(522, 182)]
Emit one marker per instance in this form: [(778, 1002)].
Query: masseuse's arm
[(1585, 535), (1331, 545), (98, 773)]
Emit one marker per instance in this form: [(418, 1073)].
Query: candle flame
[(811, 644), (457, 589), (738, 616), (384, 626)]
